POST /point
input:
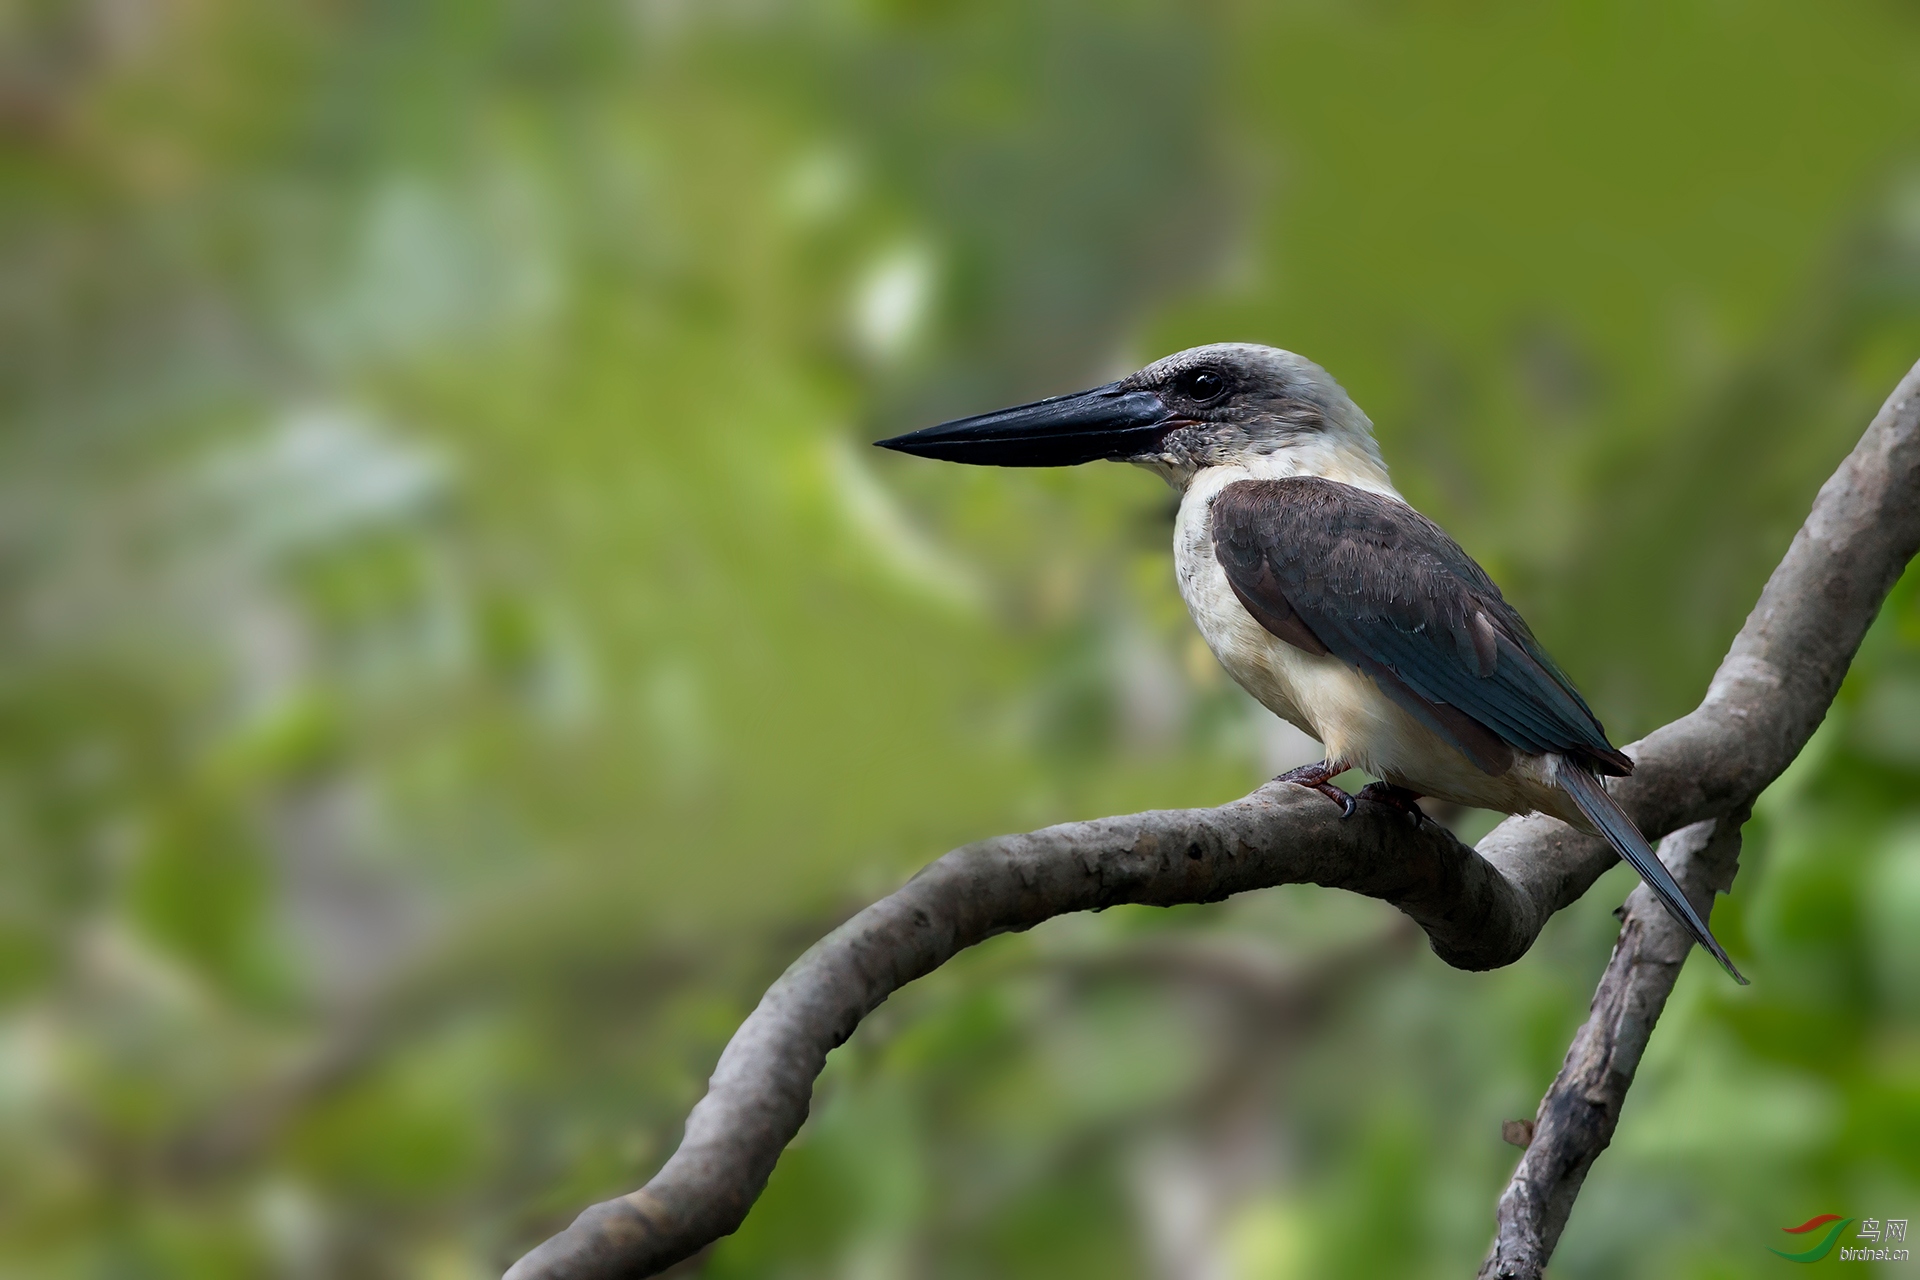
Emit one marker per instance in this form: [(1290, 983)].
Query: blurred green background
[(456, 646)]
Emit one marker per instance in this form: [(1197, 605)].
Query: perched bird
[(1331, 600)]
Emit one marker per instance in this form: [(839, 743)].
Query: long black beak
[(1064, 431)]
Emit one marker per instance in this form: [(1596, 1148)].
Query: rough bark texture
[(1480, 909), (1769, 695), (1577, 1118)]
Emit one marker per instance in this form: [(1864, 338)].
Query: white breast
[(1318, 693)]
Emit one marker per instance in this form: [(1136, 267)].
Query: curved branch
[(1480, 910), (1771, 692)]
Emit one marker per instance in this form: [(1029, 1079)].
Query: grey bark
[(1577, 1118), (1479, 909), (1769, 695)]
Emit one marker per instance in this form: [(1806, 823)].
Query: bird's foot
[(1319, 777), (1407, 802)]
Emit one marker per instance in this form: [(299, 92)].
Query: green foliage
[(456, 648)]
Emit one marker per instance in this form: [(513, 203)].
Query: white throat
[(1336, 457)]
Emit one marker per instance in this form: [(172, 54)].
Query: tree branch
[(1580, 1112), (1770, 693), (1480, 910)]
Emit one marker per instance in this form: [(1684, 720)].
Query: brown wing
[(1334, 569)]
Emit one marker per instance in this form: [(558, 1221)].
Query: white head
[(1230, 404)]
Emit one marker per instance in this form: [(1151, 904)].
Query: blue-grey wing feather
[(1385, 589)]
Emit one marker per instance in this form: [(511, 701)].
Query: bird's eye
[(1204, 386)]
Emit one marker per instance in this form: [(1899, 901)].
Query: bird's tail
[(1613, 823)]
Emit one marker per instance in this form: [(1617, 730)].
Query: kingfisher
[(1326, 596)]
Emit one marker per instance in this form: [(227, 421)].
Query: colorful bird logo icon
[(1825, 1246)]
